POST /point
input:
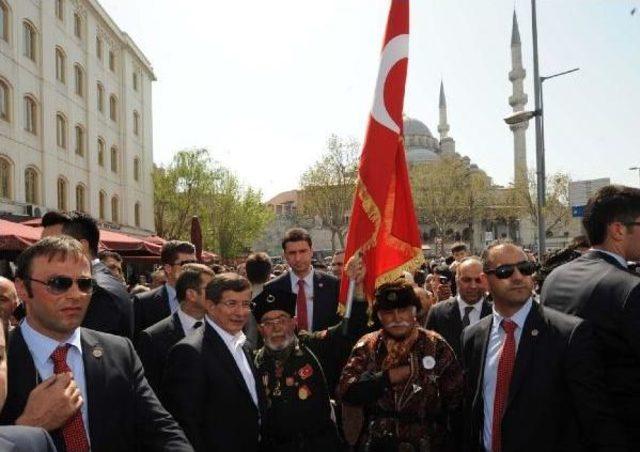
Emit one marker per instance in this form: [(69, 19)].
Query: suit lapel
[(532, 333), (486, 308), (22, 376), (177, 331), (164, 298), (480, 344), (317, 303), (94, 374), (453, 317), (262, 396)]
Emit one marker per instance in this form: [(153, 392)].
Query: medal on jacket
[(304, 392)]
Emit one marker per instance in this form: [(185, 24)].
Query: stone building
[(75, 114)]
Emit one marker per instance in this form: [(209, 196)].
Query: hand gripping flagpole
[(349, 304)]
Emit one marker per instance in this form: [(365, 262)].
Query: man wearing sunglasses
[(159, 303), (534, 381), (85, 387), (599, 287)]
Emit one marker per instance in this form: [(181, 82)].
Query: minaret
[(518, 100), (447, 144)]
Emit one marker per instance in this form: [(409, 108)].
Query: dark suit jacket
[(206, 393), (124, 413), (15, 438), (444, 318), (325, 297), (153, 347), (149, 308), (597, 288), (110, 310), (556, 400)]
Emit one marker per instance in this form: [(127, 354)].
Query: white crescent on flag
[(396, 50)]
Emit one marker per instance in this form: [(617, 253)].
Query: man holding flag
[(406, 379)]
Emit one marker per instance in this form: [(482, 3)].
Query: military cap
[(273, 300), (395, 295)]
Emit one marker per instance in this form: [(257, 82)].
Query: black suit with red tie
[(555, 398)]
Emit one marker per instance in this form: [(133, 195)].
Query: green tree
[(327, 187)]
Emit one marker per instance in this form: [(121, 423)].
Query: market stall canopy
[(17, 236)]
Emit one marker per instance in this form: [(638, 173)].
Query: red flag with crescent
[(383, 224)]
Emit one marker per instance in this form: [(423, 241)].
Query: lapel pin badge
[(428, 362), (97, 352), (534, 332), (320, 284)]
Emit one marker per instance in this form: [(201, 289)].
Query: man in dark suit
[(210, 383), (155, 342), (599, 288), (159, 303), (534, 378), (110, 310), (317, 303), (85, 387), (12, 437), (450, 317)]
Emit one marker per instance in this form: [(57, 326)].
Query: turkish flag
[(383, 225)]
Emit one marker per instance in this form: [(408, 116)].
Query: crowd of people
[(470, 353)]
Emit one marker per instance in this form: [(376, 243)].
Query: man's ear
[(616, 230), (21, 289), (85, 247)]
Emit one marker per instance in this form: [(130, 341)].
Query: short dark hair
[(106, 254), (258, 267), (190, 279), (496, 243), (610, 204), (458, 246), (59, 246), (224, 282), (296, 235), (53, 218), (170, 250), (82, 226)]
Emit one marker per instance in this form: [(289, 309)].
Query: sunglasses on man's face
[(58, 285), (526, 268)]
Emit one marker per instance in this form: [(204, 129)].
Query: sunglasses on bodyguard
[(58, 285), (526, 268)]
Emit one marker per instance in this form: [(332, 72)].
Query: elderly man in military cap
[(406, 379), (292, 366)]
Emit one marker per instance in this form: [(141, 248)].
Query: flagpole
[(349, 304)]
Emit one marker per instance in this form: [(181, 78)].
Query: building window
[(136, 169), (114, 159), (61, 131), (5, 99), (136, 214), (62, 194), (79, 76), (112, 61), (136, 123), (113, 108), (79, 140), (100, 98), (5, 178), (80, 198), (77, 25), (102, 207), (135, 81), (4, 21), (29, 33), (31, 186), (114, 210), (101, 147), (60, 65), (30, 115), (60, 9), (99, 48)]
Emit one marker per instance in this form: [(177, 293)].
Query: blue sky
[(263, 84)]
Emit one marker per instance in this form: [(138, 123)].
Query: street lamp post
[(636, 168)]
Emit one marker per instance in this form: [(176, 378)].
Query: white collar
[(186, 319), (307, 279), (616, 256), (42, 346), (519, 317), (463, 304), (232, 340)]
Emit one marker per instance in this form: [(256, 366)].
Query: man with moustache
[(87, 388), (210, 383), (292, 368), (534, 381), (450, 317), (406, 379)]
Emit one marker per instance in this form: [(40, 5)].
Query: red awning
[(17, 236)]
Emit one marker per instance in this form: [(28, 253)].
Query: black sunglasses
[(526, 268), (60, 284)]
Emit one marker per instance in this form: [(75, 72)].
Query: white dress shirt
[(474, 315), (41, 347), (187, 322), (496, 338), (174, 304), (308, 291), (234, 344)]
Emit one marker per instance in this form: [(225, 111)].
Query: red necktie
[(503, 380), (301, 307), (73, 432)]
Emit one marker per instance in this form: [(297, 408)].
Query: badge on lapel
[(97, 352), (306, 371)]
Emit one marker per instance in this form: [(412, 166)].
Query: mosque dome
[(419, 143), (416, 127)]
